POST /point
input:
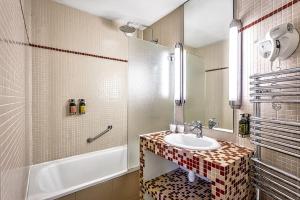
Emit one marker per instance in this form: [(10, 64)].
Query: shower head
[(127, 28)]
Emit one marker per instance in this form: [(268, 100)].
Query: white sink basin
[(190, 141)]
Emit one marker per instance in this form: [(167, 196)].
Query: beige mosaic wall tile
[(167, 30), (14, 104), (59, 76), (59, 26), (249, 11)]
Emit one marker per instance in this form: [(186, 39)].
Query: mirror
[(206, 34)]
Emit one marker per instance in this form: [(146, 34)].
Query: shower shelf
[(175, 185)]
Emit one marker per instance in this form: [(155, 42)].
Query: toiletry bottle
[(72, 107), (242, 125), (82, 106), (248, 124)]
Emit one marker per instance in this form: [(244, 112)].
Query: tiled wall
[(168, 30), (59, 76), (249, 11), (15, 68)]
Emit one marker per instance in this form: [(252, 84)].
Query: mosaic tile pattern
[(15, 131), (249, 11), (228, 167), (62, 69), (275, 11), (176, 186)]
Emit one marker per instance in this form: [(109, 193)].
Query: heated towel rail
[(277, 88)]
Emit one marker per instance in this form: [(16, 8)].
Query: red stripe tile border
[(285, 6), (77, 52), (62, 50)]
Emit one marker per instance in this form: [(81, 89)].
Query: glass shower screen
[(150, 93)]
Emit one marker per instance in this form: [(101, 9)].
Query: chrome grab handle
[(90, 140)]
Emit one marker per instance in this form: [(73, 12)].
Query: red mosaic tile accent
[(63, 50), (77, 52), (175, 186), (285, 6), (227, 167)]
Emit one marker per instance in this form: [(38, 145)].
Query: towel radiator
[(276, 135)]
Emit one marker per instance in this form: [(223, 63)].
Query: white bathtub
[(57, 178)]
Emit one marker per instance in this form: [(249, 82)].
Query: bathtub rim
[(82, 186), (69, 158)]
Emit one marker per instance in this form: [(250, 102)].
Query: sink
[(190, 141)]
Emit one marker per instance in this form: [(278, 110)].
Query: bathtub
[(57, 178)]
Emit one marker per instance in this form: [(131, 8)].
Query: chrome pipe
[(90, 140), (257, 113), (254, 132), (275, 80), (267, 192), (274, 128), (277, 177), (278, 185), (278, 86), (275, 94), (276, 169), (274, 101), (273, 189), (276, 142), (274, 121), (280, 72), (276, 149)]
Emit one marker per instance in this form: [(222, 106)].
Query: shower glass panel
[(151, 93)]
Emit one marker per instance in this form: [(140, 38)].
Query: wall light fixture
[(179, 75), (235, 64)]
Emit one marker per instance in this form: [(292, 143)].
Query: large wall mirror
[(206, 34)]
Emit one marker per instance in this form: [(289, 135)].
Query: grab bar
[(90, 140)]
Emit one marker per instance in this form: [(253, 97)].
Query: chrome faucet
[(196, 128), (212, 123)]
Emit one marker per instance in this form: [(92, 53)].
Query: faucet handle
[(197, 123), (197, 128)]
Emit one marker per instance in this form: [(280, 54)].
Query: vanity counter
[(227, 167)]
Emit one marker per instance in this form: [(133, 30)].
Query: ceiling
[(144, 12), (206, 22)]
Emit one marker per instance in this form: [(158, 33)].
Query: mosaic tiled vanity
[(227, 168)]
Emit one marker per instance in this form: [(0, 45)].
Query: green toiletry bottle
[(243, 126), (248, 124)]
